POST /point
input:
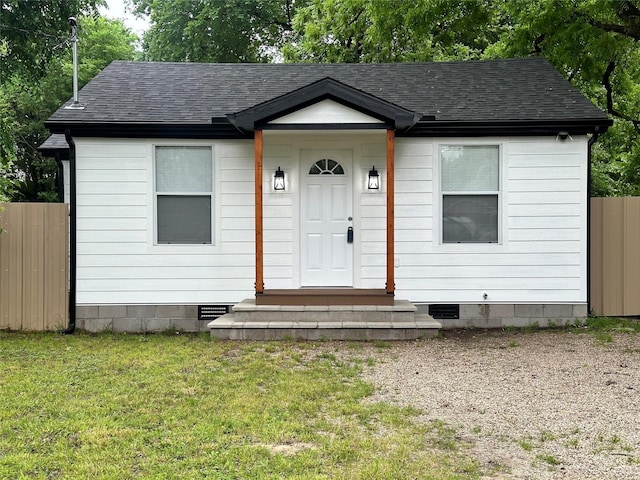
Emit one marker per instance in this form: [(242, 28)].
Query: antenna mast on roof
[(74, 40)]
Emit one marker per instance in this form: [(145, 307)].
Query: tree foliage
[(33, 32), (29, 96), (391, 30), (7, 148), (216, 31), (594, 43)]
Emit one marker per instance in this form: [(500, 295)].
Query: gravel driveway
[(542, 405)]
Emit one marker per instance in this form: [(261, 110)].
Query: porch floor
[(249, 321), (325, 296)]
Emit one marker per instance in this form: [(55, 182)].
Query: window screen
[(470, 191), (184, 179)]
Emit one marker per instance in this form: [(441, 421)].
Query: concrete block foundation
[(139, 318), (514, 315), (159, 318)]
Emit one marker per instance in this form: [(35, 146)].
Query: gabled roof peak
[(325, 88)]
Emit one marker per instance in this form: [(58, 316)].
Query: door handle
[(350, 235)]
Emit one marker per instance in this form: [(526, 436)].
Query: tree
[(594, 43), (216, 31), (391, 31), (7, 148), (28, 98), (32, 32)]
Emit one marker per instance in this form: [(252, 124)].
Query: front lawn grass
[(183, 406)]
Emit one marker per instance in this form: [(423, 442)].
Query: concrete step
[(334, 322), (400, 311)]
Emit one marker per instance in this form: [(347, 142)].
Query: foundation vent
[(444, 312), (211, 312)]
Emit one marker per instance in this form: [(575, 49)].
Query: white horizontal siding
[(556, 198), (492, 273), (158, 272), (532, 173), (164, 286), (117, 260), (542, 256), (546, 247), (562, 294), (541, 259), (372, 219), (106, 201), (279, 217), (65, 180), (413, 203), (90, 260), (518, 260)]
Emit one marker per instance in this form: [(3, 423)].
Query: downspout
[(592, 140), (59, 177), (72, 234)]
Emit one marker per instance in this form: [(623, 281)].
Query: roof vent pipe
[(74, 41)]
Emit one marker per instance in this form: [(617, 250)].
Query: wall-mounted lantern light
[(278, 180), (374, 179)]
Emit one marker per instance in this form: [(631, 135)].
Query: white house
[(458, 187)]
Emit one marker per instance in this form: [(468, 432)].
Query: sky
[(122, 10)]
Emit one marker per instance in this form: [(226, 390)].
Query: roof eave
[(148, 130), (509, 127), (223, 129)]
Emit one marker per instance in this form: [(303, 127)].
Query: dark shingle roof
[(192, 93), (54, 142)]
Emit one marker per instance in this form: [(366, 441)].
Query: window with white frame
[(470, 189), (183, 195)]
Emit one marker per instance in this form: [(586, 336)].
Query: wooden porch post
[(390, 212), (257, 145)]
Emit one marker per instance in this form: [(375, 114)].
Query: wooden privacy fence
[(33, 266), (615, 256)]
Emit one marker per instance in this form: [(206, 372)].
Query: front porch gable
[(257, 116)]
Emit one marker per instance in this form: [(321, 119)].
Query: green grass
[(603, 328), (613, 325), (549, 459), (183, 406), (526, 444)]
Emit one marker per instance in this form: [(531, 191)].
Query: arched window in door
[(326, 166)]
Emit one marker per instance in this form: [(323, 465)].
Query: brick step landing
[(249, 321)]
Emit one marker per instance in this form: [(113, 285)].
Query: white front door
[(326, 209)]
